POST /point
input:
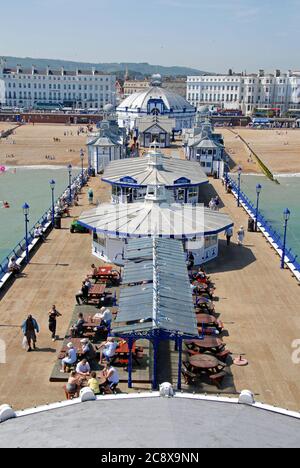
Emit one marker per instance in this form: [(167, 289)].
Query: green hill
[(135, 69)]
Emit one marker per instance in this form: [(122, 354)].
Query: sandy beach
[(278, 149), (30, 145)]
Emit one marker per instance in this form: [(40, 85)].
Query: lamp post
[(26, 215), (52, 186), (70, 183), (286, 216), (258, 192), (82, 159), (240, 170)]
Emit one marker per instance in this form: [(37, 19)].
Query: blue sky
[(211, 35)]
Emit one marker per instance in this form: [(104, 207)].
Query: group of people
[(215, 203), (31, 328), (78, 377)]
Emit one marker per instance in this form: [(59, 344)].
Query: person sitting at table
[(82, 295), (38, 233), (83, 368), (88, 351), (72, 385), (106, 317), (77, 330), (13, 267), (87, 283), (70, 359), (108, 349), (112, 377), (93, 384)]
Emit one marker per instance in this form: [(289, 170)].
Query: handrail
[(266, 225), (20, 248)]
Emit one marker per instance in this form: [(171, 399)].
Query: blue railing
[(20, 248), (265, 224)]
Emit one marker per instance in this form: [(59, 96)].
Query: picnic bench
[(96, 292)]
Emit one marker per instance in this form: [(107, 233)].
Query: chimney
[(48, 70), (62, 71), (18, 68), (277, 73), (230, 72), (33, 69), (261, 73), (93, 70)]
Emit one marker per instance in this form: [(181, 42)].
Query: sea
[(30, 185), (274, 199)]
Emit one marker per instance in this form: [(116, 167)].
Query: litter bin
[(251, 225), (57, 222)]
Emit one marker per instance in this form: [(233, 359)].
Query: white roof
[(155, 168), (155, 219), (140, 100)]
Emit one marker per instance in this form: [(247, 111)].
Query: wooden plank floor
[(260, 307), (53, 277)]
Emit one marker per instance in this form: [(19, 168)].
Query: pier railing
[(266, 227), (20, 248)]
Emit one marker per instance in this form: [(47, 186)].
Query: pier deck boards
[(53, 277), (259, 305)]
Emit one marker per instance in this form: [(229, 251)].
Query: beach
[(278, 149), (34, 145)]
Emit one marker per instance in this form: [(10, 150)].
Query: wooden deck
[(53, 277), (260, 307)]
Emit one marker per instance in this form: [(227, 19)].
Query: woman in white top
[(108, 349)]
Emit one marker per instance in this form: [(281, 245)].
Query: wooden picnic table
[(96, 292), (77, 345), (91, 323), (205, 319), (204, 362), (122, 353), (83, 381), (208, 342), (107, 273)]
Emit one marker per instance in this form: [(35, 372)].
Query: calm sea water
[(273, 201), (29, 185)]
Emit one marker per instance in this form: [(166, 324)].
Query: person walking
[(241, 235), (30, 327), (229, 234), (53, 315), (91, 196)]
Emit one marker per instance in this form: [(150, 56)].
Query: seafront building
[(37, 88), (174, 85), (278, 92), (156, 101)]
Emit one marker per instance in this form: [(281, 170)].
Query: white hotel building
[(79, 89), (246, 92)]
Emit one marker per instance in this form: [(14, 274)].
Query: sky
[(210, 35)]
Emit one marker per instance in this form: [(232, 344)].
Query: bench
[(217, 379), (223, 355)]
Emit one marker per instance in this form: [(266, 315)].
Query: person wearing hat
[(70, 359), (241, 235), (88, 351), (108, 349)]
